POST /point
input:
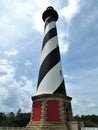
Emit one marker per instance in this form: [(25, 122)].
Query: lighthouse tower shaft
[(50, 80), (51, 109)]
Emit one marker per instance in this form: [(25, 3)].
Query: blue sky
[(21, 35)]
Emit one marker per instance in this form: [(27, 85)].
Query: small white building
[(89, 128)]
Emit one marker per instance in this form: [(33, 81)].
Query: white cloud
[(42, 5), (14, 94), (15, 18), (11, 53), (64, 45), (28, 63), (23, 8), (6, 67), (20, 13), (71, 10), (67, 77), (83, 89), (83, 106), (68, 12), (39, 26)]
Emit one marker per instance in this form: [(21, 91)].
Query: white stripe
[(49, 27), (51, 81), (49, 46)]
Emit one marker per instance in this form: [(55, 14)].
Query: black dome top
[(50, 12)]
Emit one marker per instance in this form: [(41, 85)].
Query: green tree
[(22, 119), (89, 120), (2, 118), (11, 119)]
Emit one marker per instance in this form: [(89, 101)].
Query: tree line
[(14, 120), (21, 119), (89, 120)]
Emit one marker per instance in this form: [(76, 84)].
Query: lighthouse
[(51, 109), (50, 80)]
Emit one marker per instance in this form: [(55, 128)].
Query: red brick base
[(50, 112)]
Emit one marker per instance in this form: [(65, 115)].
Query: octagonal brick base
[(50, 112)]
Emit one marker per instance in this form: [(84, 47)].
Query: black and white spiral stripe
[(50, 78)]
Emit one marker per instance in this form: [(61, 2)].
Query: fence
[(22, 128), (89, 128), (12, 128)]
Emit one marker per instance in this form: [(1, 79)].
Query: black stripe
[(61, 89), (49, 62), (48, 21), (49, 35)]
